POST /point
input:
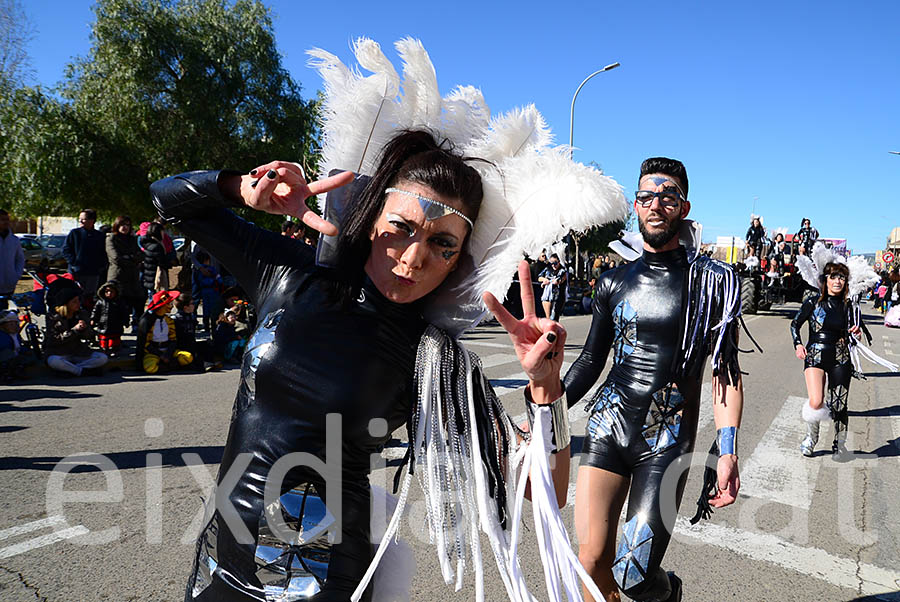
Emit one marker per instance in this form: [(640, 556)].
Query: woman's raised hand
[(280, 187), (539, 342)]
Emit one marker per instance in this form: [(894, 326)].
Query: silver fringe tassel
[(464, 451)]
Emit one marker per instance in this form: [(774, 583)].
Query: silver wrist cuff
[(559, 419), (726, 440)]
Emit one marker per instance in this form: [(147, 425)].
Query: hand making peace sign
[(539, 342)]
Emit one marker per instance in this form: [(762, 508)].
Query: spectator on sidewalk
[(208, 287), (12, 258), (109, 318), (66, 343), (156, 263), (226, 339), (85, 252), (14, 356), (157, 340), (124, 258), (186, 336)]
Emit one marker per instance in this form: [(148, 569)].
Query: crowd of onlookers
[(119, 278)]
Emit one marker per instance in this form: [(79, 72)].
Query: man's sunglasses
[(667, 198)]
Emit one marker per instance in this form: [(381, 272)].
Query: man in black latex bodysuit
[(644, 416)]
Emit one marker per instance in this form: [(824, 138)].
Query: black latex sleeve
[(800, 319), (256, 257), (589, 365)]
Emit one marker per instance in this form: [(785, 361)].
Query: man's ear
[(685, 209)]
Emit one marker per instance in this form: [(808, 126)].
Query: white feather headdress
[(534, 194), (862, 276)]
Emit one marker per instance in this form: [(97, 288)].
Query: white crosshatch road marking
[(40, 541), (777, 471)]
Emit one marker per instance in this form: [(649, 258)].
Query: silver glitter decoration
[(295, 570), (633, 553), (663, 420), (625, 324)]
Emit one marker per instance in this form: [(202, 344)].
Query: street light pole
[(572, 110), (609, 67)]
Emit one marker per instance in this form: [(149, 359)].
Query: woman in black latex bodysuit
[(826, 355), (328, 372)]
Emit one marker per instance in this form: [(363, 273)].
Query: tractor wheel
[(749, 295)]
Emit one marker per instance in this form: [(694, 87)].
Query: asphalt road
[(802, 530)]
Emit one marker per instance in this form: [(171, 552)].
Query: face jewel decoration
[(257, 347), (663, 420), (633, 554), (625, 323), (206, 559), (604, 413), (296, 569), (432, 209)]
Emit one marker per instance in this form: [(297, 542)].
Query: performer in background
[(644, 415), (806, 237), (831, 354), (755, 237)]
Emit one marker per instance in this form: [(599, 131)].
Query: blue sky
[(793, 104)]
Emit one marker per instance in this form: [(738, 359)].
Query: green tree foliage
[(168, 86)]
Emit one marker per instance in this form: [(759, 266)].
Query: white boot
[(812, 418), (839, 447)]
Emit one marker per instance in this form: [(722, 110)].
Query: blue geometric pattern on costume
[(633, 553), (817, 320), (663, 420), (257, 347), (814, 355), (604, 413), (294, 570), (625, 324)]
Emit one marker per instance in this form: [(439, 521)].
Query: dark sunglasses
[(667, 198)]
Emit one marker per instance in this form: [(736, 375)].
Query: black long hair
[(411, 156)]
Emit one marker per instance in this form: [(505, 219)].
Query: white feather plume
[(465, 116), (536, 201), (808, 270), (421, 100), (357, 111), (751, 262), (515, 133), (862, 276)]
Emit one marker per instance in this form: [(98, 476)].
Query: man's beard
[(662, 237)]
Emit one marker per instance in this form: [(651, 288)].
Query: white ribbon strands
[(557, 557), (453, 419)]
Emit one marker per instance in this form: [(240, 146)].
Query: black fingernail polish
[(549, 356), (551, 337), (254, 183), (555, 353), (271, 174), (252, 172)]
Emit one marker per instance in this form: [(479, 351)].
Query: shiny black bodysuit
[(310, 356), (644, 416), (828, 350)]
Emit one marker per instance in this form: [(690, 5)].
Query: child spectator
[(157, 342), (109, 318), (244, 313), (13, 355), (186, 335), (228, 343), (208, 283), (69, 331)]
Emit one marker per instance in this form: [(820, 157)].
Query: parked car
[(34, 252), (53, 246)]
